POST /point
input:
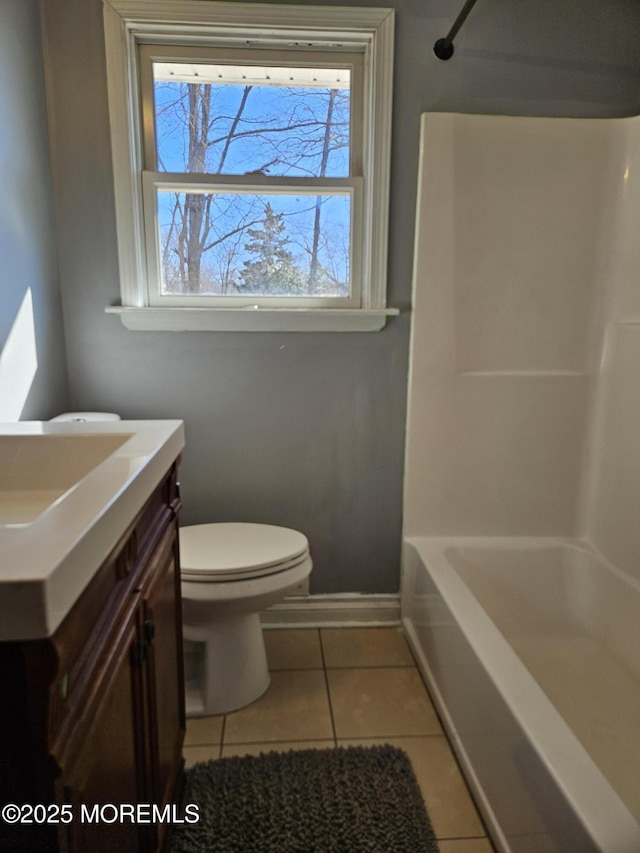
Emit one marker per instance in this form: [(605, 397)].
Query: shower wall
[(612, 504), (524, 407)]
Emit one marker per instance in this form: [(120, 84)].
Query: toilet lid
[(235, 550)]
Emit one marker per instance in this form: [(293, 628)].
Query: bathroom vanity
[(91, 647)]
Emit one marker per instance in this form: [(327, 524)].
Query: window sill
[(252, 319)]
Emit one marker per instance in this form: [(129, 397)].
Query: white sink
[(36, 471), (68, 491)]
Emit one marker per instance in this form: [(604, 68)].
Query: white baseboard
[(342, 610)]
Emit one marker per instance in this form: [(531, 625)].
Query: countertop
[(46, 564)]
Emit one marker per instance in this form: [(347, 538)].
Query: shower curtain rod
[(443, 48)]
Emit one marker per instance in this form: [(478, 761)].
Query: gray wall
[(307, 430), (27, 249)]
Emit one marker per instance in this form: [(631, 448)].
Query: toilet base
[(234, 669)]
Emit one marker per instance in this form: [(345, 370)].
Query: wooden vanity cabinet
[(96, 714)]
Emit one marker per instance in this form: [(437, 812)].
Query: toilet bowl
[(230, 572)]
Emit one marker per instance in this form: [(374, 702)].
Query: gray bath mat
[(345, 800)]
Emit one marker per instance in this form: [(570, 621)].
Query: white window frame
[(154, 181), (130, 23)]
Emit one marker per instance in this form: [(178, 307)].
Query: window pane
[(237, 120), (247, 244)]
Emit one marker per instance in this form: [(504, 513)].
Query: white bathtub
[(531, 648)]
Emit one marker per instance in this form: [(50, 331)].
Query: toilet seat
[(236, 551)]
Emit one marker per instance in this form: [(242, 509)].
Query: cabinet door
[(110, 766), (163, 630)]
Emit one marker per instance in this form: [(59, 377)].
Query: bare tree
[(299, 137), (326, 146)]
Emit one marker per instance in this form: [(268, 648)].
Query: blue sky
[(294, 153)]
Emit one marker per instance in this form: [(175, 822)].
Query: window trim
[(130, 22)]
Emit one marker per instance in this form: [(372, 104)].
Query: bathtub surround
[(523, 424), (343, 798), (524, 414)]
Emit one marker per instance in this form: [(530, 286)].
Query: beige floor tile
[(449, 803), (297, 648), (381, 702), (275, 746), (295, 707), (203, 730), (453, 813), (194, 754), (359, 647), (466, 845)]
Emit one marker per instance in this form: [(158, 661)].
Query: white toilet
[(230, 572)]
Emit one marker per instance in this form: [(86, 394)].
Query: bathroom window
[(251, 158)]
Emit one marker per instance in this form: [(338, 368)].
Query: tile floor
[(344, 686)]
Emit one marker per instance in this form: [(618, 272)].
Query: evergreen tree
[(273, 272)]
